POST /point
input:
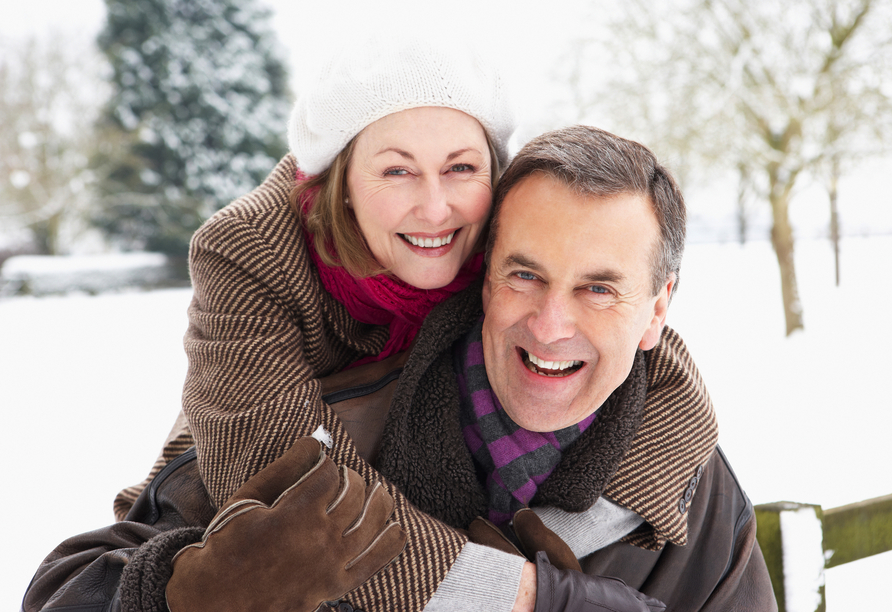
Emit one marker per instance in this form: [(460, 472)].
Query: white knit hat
[(373, 79)]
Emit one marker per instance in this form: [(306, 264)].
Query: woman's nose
[(433, 207)]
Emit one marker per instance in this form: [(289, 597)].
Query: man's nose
[(553, 319), (433, 206)]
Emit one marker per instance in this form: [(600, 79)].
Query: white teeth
[(429, 243), (552, 365)]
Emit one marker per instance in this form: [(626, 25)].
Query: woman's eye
[(396, 172), (462, 168)]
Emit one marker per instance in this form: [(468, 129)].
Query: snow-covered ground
[(90, 386)]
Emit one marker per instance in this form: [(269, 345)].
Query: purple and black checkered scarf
[(515, 461)]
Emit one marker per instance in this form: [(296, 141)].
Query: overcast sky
[(525, 35)]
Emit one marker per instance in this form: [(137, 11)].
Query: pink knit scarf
[(384, 299)]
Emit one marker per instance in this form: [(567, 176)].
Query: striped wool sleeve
[(262, 330)]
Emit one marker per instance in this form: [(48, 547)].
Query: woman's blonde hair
[(332, 224)]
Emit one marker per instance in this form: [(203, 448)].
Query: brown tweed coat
[(263, 330)]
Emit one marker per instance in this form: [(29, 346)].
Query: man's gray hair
[(593, 162)]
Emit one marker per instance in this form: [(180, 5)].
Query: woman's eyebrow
[(407, 155), (396, 150), (455, 154)]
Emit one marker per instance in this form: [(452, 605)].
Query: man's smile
[(550, 368)]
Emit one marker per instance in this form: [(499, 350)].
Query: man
[(583, 258), (548, 393)]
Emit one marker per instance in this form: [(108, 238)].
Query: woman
[(333, 257), (378, 214)]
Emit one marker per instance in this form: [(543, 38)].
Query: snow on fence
[(800, 541), (53, 275)]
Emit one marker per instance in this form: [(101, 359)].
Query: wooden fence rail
[(800, 541)]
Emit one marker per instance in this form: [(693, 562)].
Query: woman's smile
[(429, 242)]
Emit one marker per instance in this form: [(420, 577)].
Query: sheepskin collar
[(651, 437)]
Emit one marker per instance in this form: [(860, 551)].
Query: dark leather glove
[(558, 590), (297, 534)]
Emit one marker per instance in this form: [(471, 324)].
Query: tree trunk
[(782, 240), (46, 234), (833, 193), (742, 216)]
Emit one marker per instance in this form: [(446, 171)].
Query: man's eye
[(599, 289), (526, 276), (396, 172)]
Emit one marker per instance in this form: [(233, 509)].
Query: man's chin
[(538, 416)]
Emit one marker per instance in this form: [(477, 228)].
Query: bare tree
[(744, 197), (857, 125), (770, 90), (50, 94)]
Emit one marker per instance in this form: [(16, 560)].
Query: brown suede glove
[(531, 533), (534, 536), (299, 533)]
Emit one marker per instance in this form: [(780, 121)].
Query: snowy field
[(90, 386)]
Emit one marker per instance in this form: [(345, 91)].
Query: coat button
[(345, 607), (693, 484), (682, 506), (699, 472), (688, 495)]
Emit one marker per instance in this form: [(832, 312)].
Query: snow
[(36, 265), (91, 385), (48, 275), (801, 535), (802, 418)]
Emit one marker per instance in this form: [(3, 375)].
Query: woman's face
[(419, 184)]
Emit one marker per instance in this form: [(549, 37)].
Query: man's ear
[(658, 321)]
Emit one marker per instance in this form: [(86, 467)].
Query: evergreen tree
[(197, 116)]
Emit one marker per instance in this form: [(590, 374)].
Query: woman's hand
[(298, 533)]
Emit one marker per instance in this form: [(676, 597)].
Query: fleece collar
[(651, 439)]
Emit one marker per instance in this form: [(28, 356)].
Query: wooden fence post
[(791, 538)]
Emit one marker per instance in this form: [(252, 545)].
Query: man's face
[(568, 300)]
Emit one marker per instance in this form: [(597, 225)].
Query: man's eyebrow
[(598, 276), (515, 259), (604, 276)]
